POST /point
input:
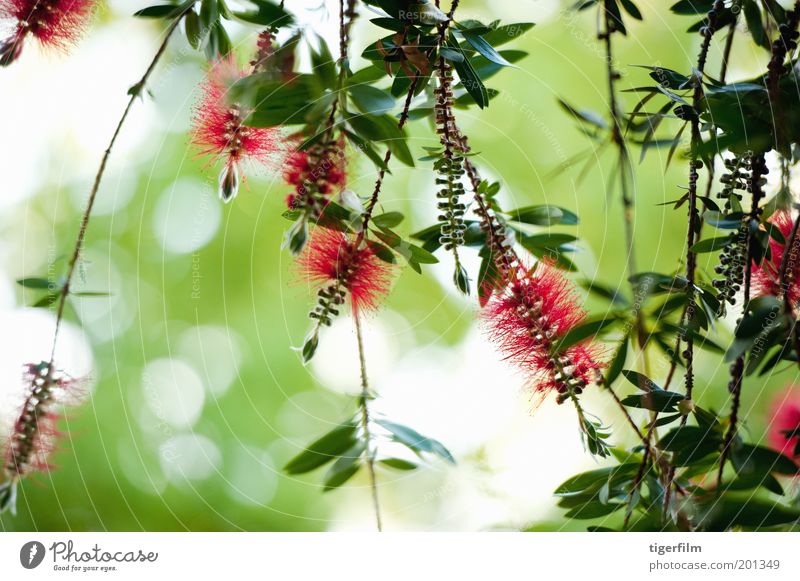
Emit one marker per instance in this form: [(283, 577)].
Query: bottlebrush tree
[(691, 468)]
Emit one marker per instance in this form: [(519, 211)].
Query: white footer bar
[(400, 556)]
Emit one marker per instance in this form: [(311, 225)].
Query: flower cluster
[(219, 128), (320, 170), (340, 264), (54, 23), (529, 318), (766, 276), (784, 429), (34, 434)]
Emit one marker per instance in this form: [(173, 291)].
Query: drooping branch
[(135, 92), (365, 422), (786, 42), (692, 232), (618, 137)]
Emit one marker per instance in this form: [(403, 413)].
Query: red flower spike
[(767, 274), (314, 171), (785, 422), (331, 259), (54, 23), (34, 435), (219, 129), (527, 319)]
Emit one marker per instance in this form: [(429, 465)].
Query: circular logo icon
[(31, 554)]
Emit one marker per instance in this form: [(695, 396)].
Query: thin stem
[(136, 91), (726, 53), (707, 32), (619, 140), (363, 399), (723, 74), (641, 472), (373, 201)]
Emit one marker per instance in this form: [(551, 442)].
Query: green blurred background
[(196, 398)]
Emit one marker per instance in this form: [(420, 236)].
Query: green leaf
[(46, 300), (382, 252), (584, 115), (277, 102), (371, 100), (265, 14), (586, 330), (690, 443), (724, 221), (641, 381), (592, 510), (461, 279), (544, 215), (367, 149), (691, 7), (484, 48), (507, 33), (587, 480), (388, 219), (451, 55), (162, 10), (748, 458), (755, 25), (656, 400), (191, 23), (345, 467), (219, 44), (310, 347), (631, 9), (321, 451), (468, 77), (418, 255), (383, 129), (743, 509), (34, 282), (209, 15), (398, 464), (323, 65), (367, 75), (618, 362), (549, 240), (416, 441), (668, 79), (711, 244)]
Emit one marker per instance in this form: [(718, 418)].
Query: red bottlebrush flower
[(56, 23), (332, 262), (784, 427), (320, 170), (528, 318), (767, 274), (34, 434), (219, 128)]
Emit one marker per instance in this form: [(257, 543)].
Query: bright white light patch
[(187, 216), (173, 391), (189, 457)]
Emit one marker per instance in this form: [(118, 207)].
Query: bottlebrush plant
[(53, 23), (34, 434), (690, 468)]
